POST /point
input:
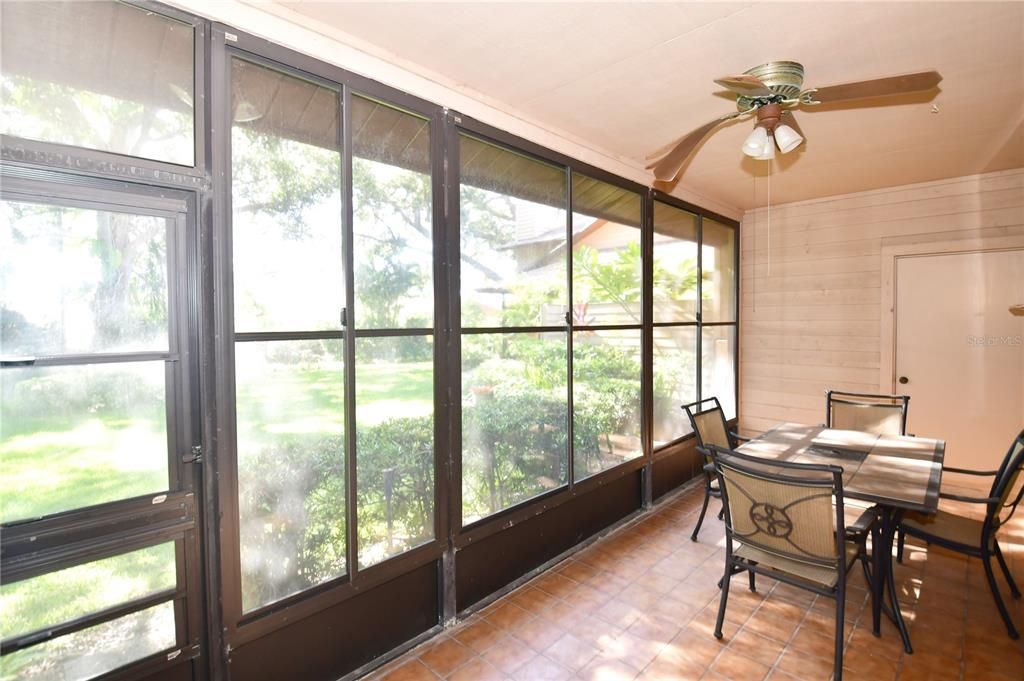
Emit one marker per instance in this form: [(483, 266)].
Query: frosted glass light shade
[(768, 150), (787, 138), (754, 144)]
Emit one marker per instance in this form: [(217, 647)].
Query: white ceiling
[(627, 77)]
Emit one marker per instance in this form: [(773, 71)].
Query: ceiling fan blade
[(745, 84), (879, 87), (662, 150), (669, 166)]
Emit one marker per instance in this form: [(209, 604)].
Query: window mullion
[(699, 363), (570, 444), (349, 348)]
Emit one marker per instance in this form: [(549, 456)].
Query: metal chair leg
[(753, 580), (721, 513), (840, 633), (1011, 630), (900, 539), (700, 518), (864, 563), (1006, 572), (725, 598)]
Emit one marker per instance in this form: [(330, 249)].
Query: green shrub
[(293, 503)]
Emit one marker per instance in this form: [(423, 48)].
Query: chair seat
[(813, 573), (944, 526)]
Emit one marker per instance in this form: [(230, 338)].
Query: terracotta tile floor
[(641, 604)]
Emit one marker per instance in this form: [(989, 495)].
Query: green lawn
[(388, 390), (311, 400)]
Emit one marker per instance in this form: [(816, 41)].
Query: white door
[(960, 351)]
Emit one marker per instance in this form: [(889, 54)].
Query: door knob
[(904, 380)]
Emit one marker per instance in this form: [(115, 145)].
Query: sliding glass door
[(332, 299)]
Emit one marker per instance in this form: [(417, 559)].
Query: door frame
[(890, 257), (33, 547)]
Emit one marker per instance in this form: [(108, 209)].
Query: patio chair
[(786, 520), (878, 414), (977, 537), (710, 428)]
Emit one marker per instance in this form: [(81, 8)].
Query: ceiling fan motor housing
[(784, 78), (768, 116)]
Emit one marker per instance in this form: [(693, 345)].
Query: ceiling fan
[(771, 92)]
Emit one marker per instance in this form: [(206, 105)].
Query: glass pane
[(74, 280), (606, 275), (675, 381), (291, 466), (513, 238), (514, 419), (718, 367), (91, 652), (606, 399), (718, 258), (58, 597), (394, 445), (392, 212), (102, 75), (286, 202), (76, 436), (675, 264)]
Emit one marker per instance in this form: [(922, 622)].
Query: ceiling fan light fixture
[(755, 143), (771, 92), (787, 138), (767, 151)]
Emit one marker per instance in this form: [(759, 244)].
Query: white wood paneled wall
[(811, 303)]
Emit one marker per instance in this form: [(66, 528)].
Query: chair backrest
[(707, 418), (782, 508), (878, 414), (1008, 487)]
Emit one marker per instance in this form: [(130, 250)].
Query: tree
[(393, 221)]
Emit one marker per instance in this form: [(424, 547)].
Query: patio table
[(898, 473)]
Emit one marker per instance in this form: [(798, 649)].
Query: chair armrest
[(863, 524), (967, 471), (969, 500), (738, 437)]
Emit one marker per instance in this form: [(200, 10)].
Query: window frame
[(243, 627), (668, 448), (458, 330), (125, 166), (33, 547), (464, 535), (646, 382)]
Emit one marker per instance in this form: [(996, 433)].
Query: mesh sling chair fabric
[(978, 537), (785, 520), (877, 414), (710, 428)]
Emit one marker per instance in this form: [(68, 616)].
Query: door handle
[(904, 380)]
